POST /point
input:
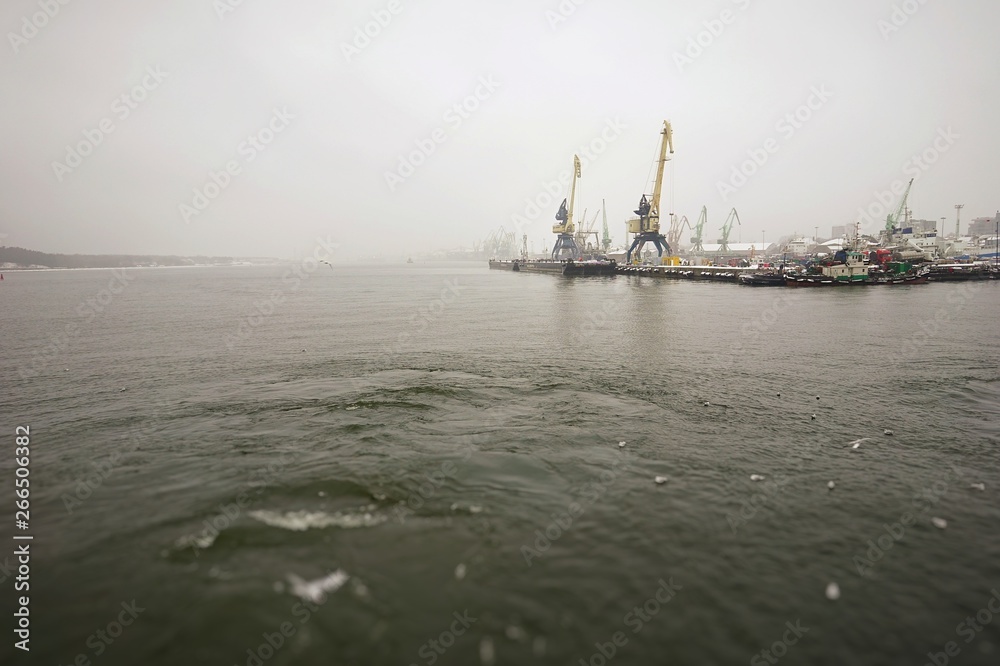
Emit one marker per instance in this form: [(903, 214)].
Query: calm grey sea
[(420, 464)]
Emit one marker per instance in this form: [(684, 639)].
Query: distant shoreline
[(19, 258)]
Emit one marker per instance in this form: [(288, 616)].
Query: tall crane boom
[(668, 141), (698, 228), (565, 244), (647, 225), (727, 227), (891, 221), (677, 227)]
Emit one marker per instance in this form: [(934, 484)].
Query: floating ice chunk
[(660, 480), (487, 654), (316, 590), (201, 541), (939, 523), (515, 633), (757, 477), (832, 591)]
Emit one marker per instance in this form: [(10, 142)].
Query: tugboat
[(847, 268)]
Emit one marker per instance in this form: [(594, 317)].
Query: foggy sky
[(884, 85)]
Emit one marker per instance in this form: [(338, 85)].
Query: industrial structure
[(565, 245), (646, 226), (727, 227), (696, 241)]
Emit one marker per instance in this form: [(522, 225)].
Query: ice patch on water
[(202, 540), (316, 590), (300, 521)]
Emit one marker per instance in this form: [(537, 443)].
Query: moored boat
[(763, 279), (847, 268)]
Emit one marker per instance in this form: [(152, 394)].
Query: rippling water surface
[(421, 464)]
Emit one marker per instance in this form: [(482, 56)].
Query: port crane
[(892, 221), (698, 228), (585, 231), (677, 227), (727, 227), (646, 226), (606, 239), (565, 244)]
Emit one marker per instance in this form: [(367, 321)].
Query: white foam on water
[(300, 521), (316, 590), (201, 540)]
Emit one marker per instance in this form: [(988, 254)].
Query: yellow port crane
[(565, 244), (646, 226)]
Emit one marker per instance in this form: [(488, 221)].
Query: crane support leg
[(565, 245), (656, 239)]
